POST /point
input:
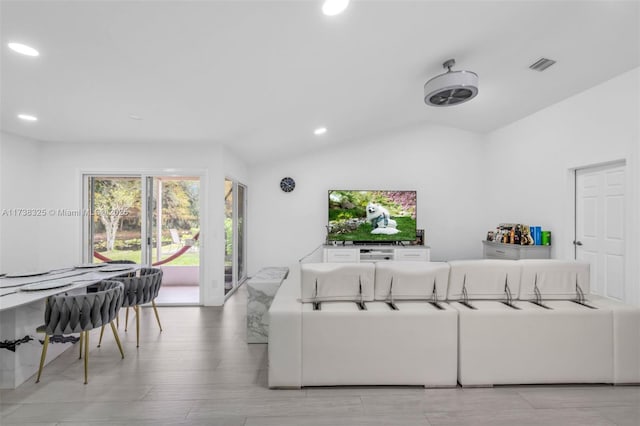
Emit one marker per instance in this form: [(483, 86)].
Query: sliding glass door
[(152, 220), (235, 199)]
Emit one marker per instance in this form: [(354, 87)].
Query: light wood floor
[(200, 371)]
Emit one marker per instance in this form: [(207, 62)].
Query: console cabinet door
[(412, 254), (342, 255), (501, 252)]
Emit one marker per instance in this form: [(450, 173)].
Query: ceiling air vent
[(451, 88), (542, 64)]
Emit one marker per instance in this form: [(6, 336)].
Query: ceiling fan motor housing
[(451, 88)]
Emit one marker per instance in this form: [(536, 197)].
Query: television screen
[(370, 216)]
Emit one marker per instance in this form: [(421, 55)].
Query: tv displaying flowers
[(372, 216)]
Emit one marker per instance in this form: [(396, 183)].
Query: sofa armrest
[(285, 337)]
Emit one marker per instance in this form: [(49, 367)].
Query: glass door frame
[(146, 187), (237, 277), (89, 207), (242, 274)]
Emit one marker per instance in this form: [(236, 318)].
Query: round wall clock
[(287, 184)]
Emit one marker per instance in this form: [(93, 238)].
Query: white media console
[(354, 253)]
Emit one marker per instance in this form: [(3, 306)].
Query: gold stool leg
[(86, 356), (126, 319), (101, 334), (43, 356), (155, 309), (137, 310), (80, 344), (115, 334)]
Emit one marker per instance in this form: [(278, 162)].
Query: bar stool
[(66, 314)]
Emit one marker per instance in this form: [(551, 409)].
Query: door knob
[(577, 243)]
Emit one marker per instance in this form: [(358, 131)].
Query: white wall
[(19, 189), (234, 167), (442, 164), (65, 163), (529, 163)]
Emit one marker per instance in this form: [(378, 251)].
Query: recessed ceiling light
[(334, 7), (135, 117), (320, 131), (23, 49), (27, 117)]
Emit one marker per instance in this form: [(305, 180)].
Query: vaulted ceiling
[(260, 76)]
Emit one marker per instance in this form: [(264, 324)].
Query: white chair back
[(483, 279), (411, 280), (554, 279), (337, 281)]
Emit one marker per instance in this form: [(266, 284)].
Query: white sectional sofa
[(477, 323)]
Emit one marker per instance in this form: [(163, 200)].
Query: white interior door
[(600, 219)]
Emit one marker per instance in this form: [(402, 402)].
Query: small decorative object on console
[(516, 233)]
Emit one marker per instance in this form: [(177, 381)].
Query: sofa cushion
[(342, 345), (483, 279), (555, 279), (568, 343), (411, 280), (337, 281)]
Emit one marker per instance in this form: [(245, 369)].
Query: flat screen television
[(372, 216)]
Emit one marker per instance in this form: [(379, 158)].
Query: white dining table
[(22, 312), (18, 291)]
